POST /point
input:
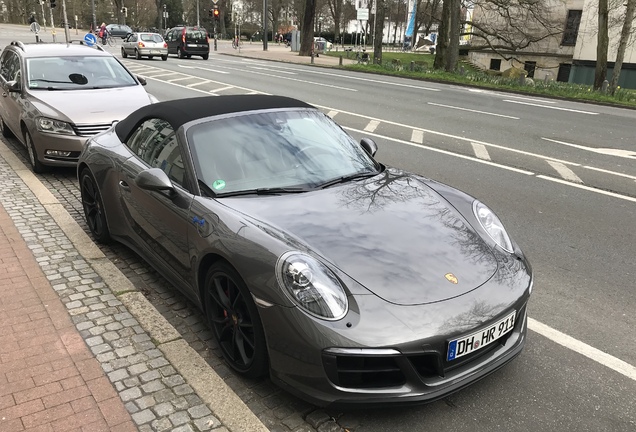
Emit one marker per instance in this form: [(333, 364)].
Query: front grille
[(91, 129), (363, 371)]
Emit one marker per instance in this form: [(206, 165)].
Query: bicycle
[(236, 42), (110, 41)]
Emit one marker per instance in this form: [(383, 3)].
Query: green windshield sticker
[(218, 184)]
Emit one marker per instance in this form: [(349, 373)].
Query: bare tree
[(443, 37), (307, 28), (380, 11), (622, 44), (336, 8), (509, 26), (602, 44)]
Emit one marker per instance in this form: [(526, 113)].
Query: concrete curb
[(210, 387)]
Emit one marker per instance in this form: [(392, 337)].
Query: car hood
[(391, 233), (91, 106)]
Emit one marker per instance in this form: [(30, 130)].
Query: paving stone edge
[(209, 386)]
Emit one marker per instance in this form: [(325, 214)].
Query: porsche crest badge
[(451, 278)]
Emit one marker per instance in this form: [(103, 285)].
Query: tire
[(205, 56), (137, 55), (234, 320), (164, 57), (180, 53), (124, 54), (93, 207), (150, 57), (37, 166), (6, 132)]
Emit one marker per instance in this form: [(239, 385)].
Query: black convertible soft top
[(180, 111)]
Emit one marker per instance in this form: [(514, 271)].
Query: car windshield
[(151, 37), (280, 151), (77, 73)]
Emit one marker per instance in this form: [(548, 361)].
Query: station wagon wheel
[(37, 166), (6, 132), (235, 321), (124, 54), (93, 207)]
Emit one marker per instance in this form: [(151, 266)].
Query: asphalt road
[(562, 177)]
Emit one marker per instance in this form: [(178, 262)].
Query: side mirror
[(154, 179), (14, 86), (369, 146), (141, 80)]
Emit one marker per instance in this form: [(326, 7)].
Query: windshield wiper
[(347, 178), (263, 191)]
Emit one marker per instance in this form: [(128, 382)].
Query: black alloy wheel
[(234, 319), (93, 207)]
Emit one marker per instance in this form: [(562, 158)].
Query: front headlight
[(493, 226), (311, 285), (53, 126)]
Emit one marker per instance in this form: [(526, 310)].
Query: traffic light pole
[(67, 35), (215, 30), (52, 23)]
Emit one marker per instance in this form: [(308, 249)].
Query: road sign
[(363, 14), (90, 39), (35, 27), (215, 1)]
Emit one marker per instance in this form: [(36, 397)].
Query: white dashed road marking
[(372, 126), (417, 136), (565, 172), (551, 107), (472, 110), (332, 113), (481, 151)]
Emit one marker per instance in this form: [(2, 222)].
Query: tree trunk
[(622, 44), (453, 36), (443, 37), (380, 10), (307, 29), (602, 45)]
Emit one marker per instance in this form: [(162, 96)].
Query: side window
[(10, 66), (156, 144)]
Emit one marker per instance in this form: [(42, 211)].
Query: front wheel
[(93, 207), (124, 54), (111, 41), (37, 166), (234, 320), (6, 132)]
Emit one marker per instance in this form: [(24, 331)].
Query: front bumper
[(393, 354), (45, 144)]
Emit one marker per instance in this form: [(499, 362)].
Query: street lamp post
[(198, 23)]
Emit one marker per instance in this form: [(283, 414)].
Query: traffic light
[(210, 13), (53, 4), (124, 10), (216, 13)]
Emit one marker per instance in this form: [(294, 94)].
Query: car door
[(129, 43), (10, 72), (158, 219)]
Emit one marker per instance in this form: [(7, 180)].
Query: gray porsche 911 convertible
[(346, 281)]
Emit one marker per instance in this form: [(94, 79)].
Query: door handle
[(124, 185)]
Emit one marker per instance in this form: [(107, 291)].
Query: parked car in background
[(118, 30), (413, 289), (57, 95), (188, 41), (323, 43), (144, 45)]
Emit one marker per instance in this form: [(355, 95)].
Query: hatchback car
[(345, 280), (144, 45), (118, 30), (188, 41), (57, 95)]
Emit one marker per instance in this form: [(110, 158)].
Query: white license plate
[(475, 341), (155, 52)]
